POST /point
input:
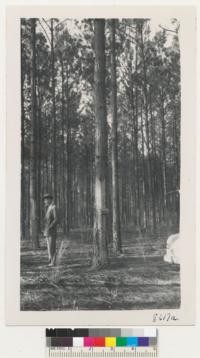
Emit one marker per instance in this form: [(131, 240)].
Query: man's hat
[(47, 196)]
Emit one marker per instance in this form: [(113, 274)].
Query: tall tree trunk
[(163, 155), (69, 177), (166, 211), (134, 110), (28, 206), (177, 166), (53, 113), (33, 148), (63, 148), (69, 161), (88, 186), (149, 164), (39, 162), (144, 174), (39, 132), (136, 144), (176, 149), (23, 181), (124, 180), (153, 165), (116, 229), (100, 258), (47, 154)]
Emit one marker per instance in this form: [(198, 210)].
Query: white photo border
[(186, 314)]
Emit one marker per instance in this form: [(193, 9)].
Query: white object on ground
[(172, 255)]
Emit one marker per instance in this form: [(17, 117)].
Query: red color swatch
[(99, 341)]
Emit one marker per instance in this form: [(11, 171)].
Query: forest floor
[(138, 279)]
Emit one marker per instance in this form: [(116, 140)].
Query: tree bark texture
[(117, 247), (100, 258), (54, 113), (33, 144)]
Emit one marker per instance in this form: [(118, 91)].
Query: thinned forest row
[(100, 108)]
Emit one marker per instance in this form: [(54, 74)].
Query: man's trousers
[(51, 246)]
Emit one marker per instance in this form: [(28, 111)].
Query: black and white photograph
[(100, 164)]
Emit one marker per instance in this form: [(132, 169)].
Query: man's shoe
[(51, 264)]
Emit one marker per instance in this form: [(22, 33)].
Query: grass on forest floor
[(138, 279)]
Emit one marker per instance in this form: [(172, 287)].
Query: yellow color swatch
[(110, 341)]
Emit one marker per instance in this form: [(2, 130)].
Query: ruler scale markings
[(91, 353), (128, 355)]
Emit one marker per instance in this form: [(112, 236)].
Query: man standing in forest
[(50, 221)]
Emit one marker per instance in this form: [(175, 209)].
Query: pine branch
[(45, 31), (169, 30)]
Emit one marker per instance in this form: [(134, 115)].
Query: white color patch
[(78, 342), (150, 332)]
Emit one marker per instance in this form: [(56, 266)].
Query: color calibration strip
[(101, 342)]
